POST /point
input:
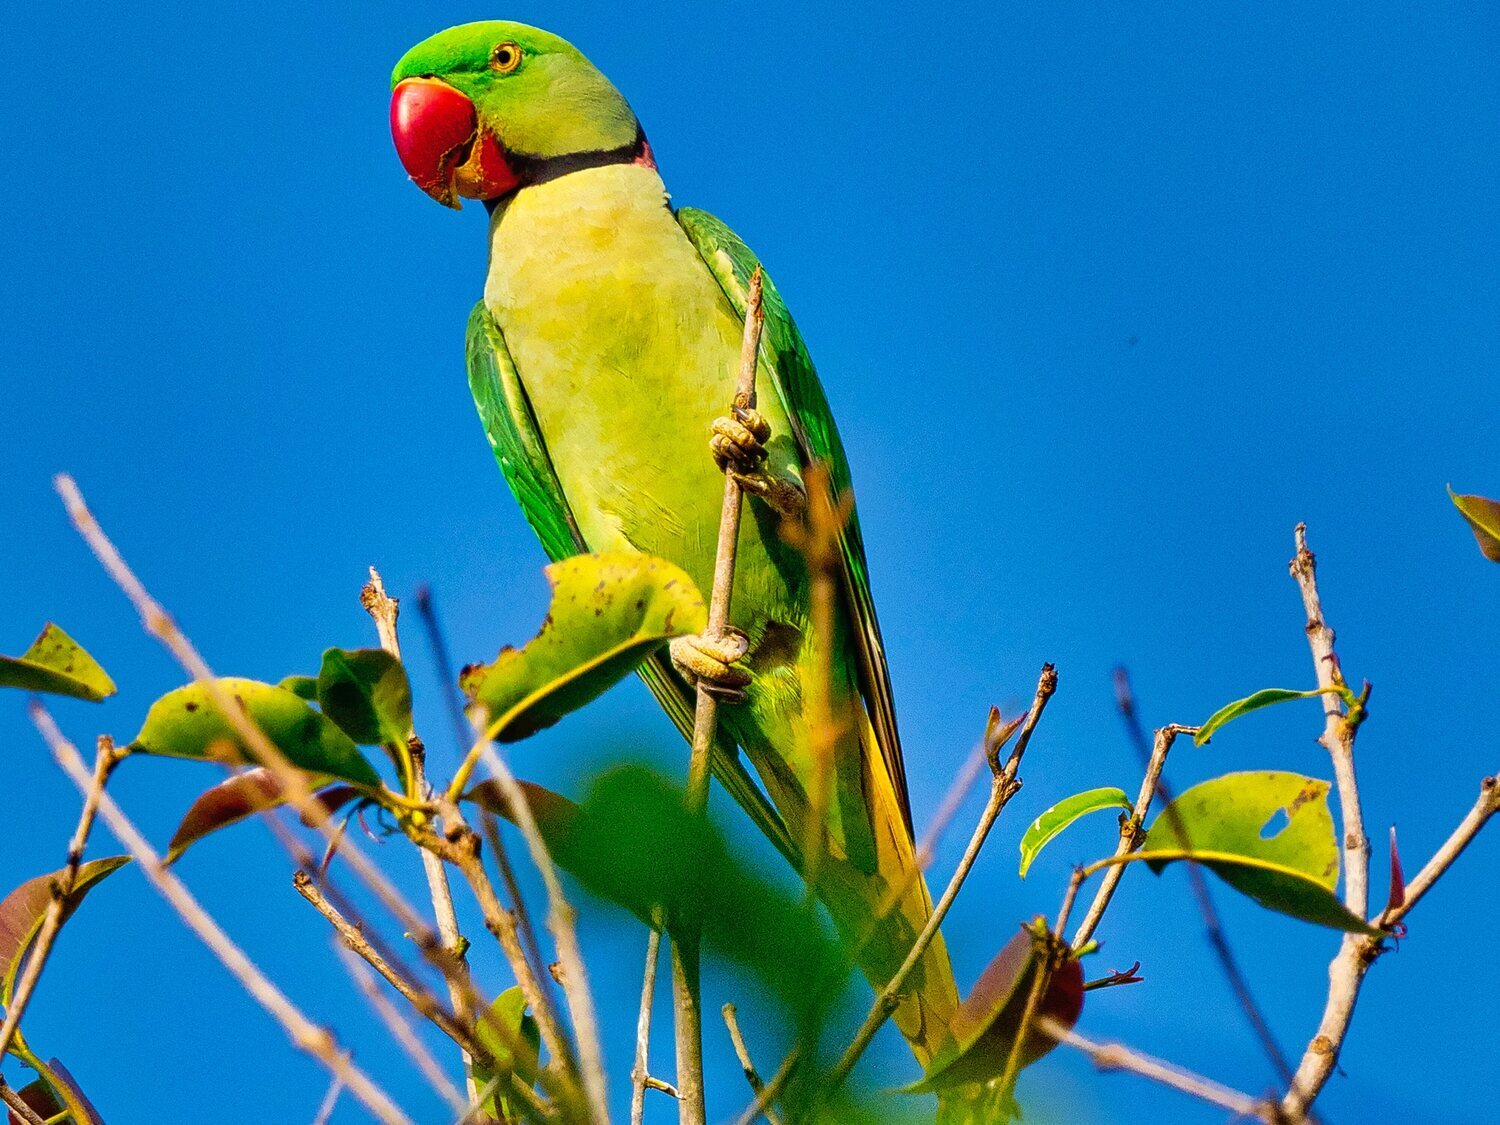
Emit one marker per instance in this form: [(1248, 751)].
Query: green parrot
[(602, 359)]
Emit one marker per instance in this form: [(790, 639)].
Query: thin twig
[(304, 1034), (1114, 1056), (562, 922), (747, 1064), (1485, 807), (402, 1032), (385, 611), (1340, 725), (687, 1002), (1213, 926), (640, 1071), (105, 760), (1003, 787), (1132, 832), (764, 1100)]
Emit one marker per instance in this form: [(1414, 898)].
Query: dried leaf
[(57, 664), (1052, 822), (1483, 515), (240, 797), (988, 1020), (23, 910), (609, 612)]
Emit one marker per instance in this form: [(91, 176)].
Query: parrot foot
[(786, 498), (711, 663), (738, 441)]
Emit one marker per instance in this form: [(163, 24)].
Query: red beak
[(441, 144)]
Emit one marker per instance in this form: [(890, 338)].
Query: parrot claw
[(738, 441), (785, 497), (711, 663)]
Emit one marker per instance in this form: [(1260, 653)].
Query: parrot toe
[(739, 441), (712, 663)]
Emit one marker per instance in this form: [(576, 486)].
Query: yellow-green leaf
[(609, 612), (1047, 826), (186, 723), (1483, 515), (1266, 697), (57, 664), (1266, 833)]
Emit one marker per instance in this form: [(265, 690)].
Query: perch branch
[(1003, 787), (18, 1106), (304, 1034), (686, 992), (105, 760)]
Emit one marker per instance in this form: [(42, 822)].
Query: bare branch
[(1114, 1056), (1003, 787), (18, 1106), (105, 760), (304, 1034), (752, 1076), (640, 1072)]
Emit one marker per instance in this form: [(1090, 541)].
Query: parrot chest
[(627, 348)]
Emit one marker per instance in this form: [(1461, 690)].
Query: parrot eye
[(505, 58)]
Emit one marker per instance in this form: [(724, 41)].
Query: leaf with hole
[(1483, 515), (514, 1042), (1045, 828), (187, 723), (56, 663), (25, 908), (240, 797), (609, 612), (1266, 697), (1266, 833), (984, 1029)]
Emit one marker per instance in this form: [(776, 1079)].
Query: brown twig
[(1340, 725), (1114, 1056), (1003, 787), (304, 1034), (1132, 831), (772, 1089), (18, 1105), (384, 610), (640, 1071), (105, 760), (747, 1064)]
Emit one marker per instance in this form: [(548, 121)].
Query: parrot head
[(482, 109)]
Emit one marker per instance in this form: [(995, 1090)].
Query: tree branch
[(304, 1034), (640, 1072), (747, 1064)]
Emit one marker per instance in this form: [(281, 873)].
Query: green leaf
[(303, 687), (54, 1093), (1483, 515), (1234, 826), (509, 1012), (23, 910), (1047, 826), (609, 612), (55, 663), (365, 692), (1266, 697), (983, 1030), (240, 797), (186, 723)]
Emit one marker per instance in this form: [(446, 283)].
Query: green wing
[(517, 442), (796, 383)]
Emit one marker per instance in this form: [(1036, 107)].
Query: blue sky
[(1106, 300)]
